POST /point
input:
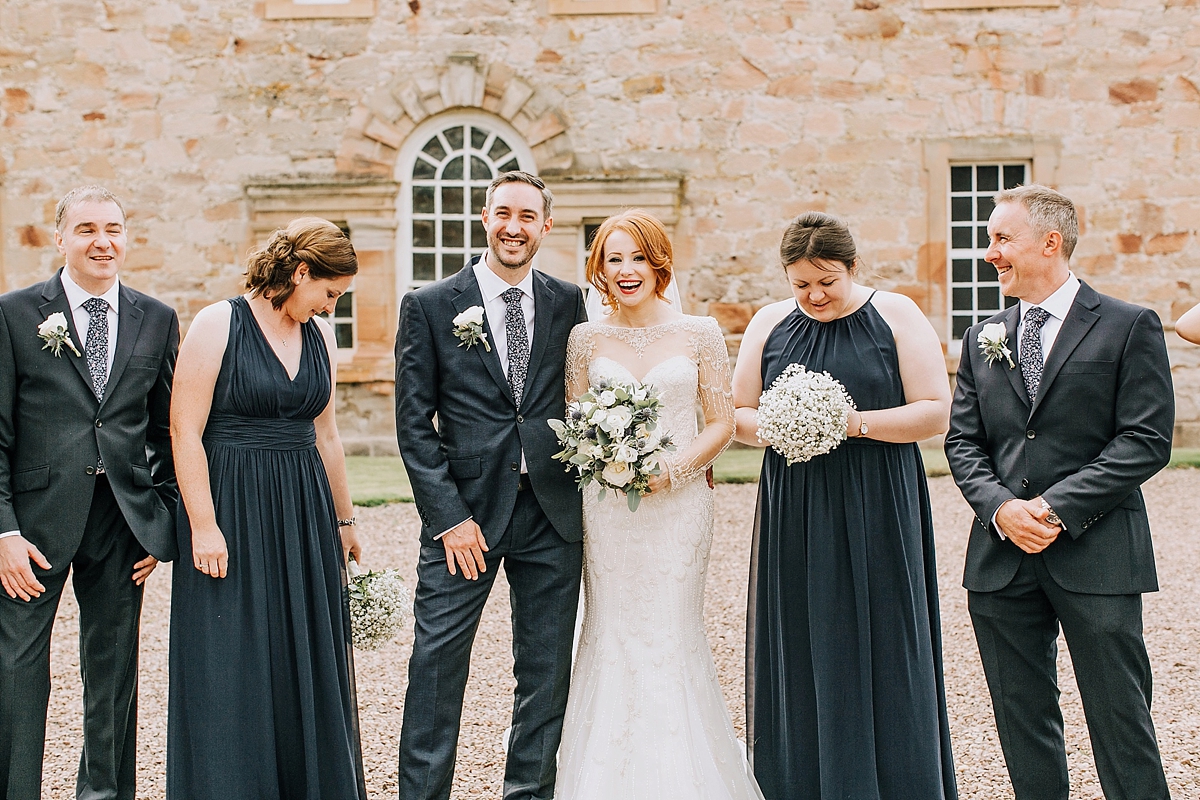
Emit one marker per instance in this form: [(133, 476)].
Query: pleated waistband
[(260, 433)]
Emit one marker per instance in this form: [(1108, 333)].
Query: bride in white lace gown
[(645, 716)]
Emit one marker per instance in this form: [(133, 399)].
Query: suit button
[(1030, 435), (520, 419), (1024, 483), (514, 466), (99, 424), (90, 470)]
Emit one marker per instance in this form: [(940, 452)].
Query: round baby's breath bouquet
[(379, 606), (803, 414)]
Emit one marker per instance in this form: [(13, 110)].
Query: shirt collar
[(492, 285), (1058, 305), (77, 295)]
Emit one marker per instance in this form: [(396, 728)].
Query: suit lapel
[(1015, 376), (56, 301), (1079, 321), (129, 323), (468, 295), (543, 315)]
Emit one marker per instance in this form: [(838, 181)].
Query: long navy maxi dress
[(845, 698), (262, 701)]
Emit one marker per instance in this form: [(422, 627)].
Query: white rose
[(624, 452), (650, 443), (993, 332), (618, 473), (616, 420), (54, 323), (607, 398), (472, 316)]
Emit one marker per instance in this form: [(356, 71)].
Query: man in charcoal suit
[(483, 352), (87, 486), (1050, 445)]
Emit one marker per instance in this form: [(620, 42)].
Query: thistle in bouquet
[(379, 606), (803, 414), (611, 436)]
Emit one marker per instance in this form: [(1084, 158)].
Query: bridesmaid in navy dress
[(845, 697), (262, 697)]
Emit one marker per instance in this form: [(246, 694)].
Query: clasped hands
[(1024, 522), (16, 573)]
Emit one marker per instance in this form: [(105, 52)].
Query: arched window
[(450, 162)]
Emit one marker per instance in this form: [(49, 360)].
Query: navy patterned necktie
[(1031, 349), (518, 342), (96, 347)]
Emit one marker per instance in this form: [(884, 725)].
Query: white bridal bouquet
[(379, 606), (803, 414), (611, 436)]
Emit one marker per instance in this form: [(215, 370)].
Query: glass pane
[(510, 165), (984, 272), (478, 137), (960, 270), (478, 198), (452, 263), (1009, 302), (960, 326), (960, 179), (1014, 175), (344, 333), (423, 199), (344, 306), (424, 267), (480, 171), (984, 206), (982, 239), (422, 230), (589, 234), (423, 170), (989, 298), (499, 149), (454, 136), (453, 170), (960, 238), (987, 179), (452, 200), (960, 209), (452, 233), (478, 235), (434, 149), (964, 299)]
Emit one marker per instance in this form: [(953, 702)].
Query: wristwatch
[(862, 426), (1052, 517)]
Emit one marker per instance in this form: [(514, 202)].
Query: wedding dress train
[(646, 717)]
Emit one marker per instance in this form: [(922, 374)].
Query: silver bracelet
[(342, 523)]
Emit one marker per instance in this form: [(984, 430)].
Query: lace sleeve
[(579, 354), (716, 400)]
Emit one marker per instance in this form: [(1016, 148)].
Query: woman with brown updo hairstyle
[(262, 700)]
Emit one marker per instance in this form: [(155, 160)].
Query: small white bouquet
[(611, 436), (379, 606), (803, 414)]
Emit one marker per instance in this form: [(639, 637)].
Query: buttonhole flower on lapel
[(53, 331), (468, 327), (993, 343)]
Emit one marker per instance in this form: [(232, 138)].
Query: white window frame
[(344, 353), (410, 151)]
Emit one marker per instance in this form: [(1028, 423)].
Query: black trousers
[(1017, 631), (110, 606), (544, 573)]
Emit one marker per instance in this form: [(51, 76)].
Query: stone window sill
[(297, 9)]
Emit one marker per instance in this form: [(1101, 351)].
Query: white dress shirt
[(76, 297)]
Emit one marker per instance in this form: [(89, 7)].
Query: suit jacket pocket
[(144, 362), (28, 480), (1088, 368), (142, 477), (462, 468), (1133, 502)]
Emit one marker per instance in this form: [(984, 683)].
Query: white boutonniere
[(468, 327), (53, 331), (993, 343)]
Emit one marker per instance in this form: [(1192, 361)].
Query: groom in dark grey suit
[(87, 485), (479, 370), (1050, 443)]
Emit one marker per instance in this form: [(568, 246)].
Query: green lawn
[(381, 479)]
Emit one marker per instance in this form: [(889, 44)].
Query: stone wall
[(755, 111)]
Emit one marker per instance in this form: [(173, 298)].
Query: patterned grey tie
[(1031, 349), (96, 347), (518, 342)]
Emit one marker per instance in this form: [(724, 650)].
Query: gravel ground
[(1172, 633)]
